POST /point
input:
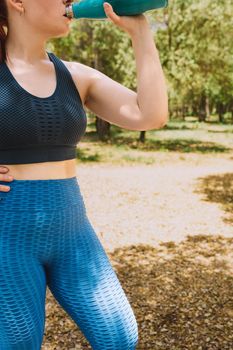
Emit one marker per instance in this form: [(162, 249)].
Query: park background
[(161, 201)]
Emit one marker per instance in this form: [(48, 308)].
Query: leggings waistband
[(41, 194)]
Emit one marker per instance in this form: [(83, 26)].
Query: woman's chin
[(63, 34)]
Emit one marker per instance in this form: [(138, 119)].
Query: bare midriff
[(43, 171)]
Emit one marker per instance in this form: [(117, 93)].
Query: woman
[(46, 238)]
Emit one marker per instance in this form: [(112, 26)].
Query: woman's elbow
[(158, 123)]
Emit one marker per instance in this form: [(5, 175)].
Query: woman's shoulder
[(81, 75)]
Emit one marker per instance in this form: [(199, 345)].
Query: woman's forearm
[(152, 94)]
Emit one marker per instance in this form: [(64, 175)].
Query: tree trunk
[(195, 110), (202, 109), (102, 128), (220, 110), (142, 136), (183, 113), (207, 107)]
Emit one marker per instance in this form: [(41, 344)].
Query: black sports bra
[(35, 129)]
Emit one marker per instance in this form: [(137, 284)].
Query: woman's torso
[(45, 77)]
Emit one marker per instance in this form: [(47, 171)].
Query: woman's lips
[(68, 18)]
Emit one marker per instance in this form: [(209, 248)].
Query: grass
[(123, 146)]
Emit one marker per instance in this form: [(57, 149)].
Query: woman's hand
[(4, 177), (130, 24)]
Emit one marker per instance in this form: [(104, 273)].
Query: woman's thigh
[(22, 286), (85, 284)]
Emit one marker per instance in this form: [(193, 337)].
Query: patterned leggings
[(46, 239)]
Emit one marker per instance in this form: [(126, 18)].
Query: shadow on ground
[(218, 189), (177, 145), (184, 145), (181, 294)]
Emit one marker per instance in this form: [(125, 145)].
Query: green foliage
[(196, 51), (194, 39)]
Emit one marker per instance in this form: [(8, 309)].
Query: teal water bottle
[(94, 8)]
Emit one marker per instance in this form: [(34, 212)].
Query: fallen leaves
[(180, 303)]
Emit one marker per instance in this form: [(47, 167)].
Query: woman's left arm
[(148, 108)]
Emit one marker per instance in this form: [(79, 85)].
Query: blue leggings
[(46, 239)]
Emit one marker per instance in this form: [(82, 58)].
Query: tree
[(196, 51)]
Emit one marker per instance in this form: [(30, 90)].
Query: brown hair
[(3, 23)]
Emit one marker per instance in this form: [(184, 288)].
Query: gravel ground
[(153, 203)]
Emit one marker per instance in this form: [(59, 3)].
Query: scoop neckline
[(27, 92)]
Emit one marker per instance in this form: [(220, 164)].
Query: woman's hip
[(40, 195)]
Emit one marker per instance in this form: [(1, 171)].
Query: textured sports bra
[(35, 129)]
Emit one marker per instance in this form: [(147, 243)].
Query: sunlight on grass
[(123, 146)]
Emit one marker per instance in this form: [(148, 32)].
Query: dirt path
[(152, 203)]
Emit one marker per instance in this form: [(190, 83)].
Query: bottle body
[(94, 8)]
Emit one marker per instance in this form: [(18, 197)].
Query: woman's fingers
[(4, 188), (3, 169), (5, 177)]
